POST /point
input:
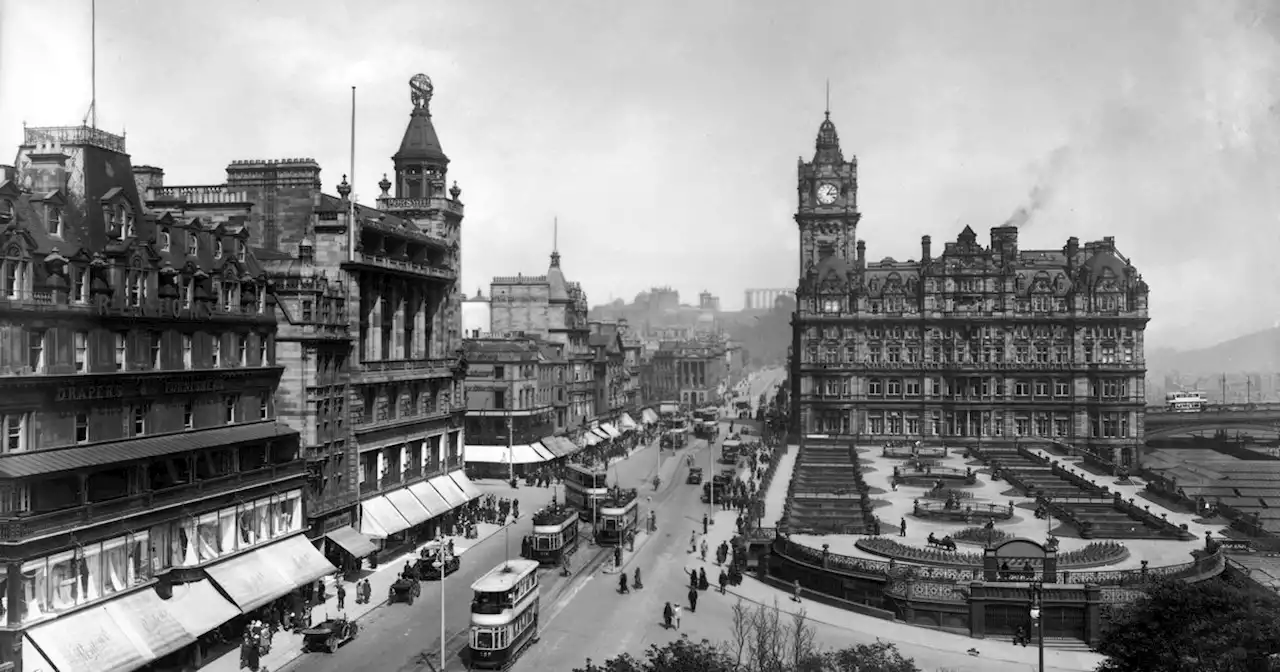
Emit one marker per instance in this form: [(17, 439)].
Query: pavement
[(406, 638)]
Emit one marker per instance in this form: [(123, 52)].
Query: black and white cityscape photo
[(650, 336)]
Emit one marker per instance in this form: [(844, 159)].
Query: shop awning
[(589, 439), (525, 455), (648, 416), (379, 519), (299, 559), (626, 424), (252, 579), (430, 498), (489, 454), (449, 490), (546, 453), (468, 488), (611, 430), (33, 660), (350, 539), (408, 506), (669, 408), (199, 607), (559, 446), (601, 434), (88, 641), (154, 629)]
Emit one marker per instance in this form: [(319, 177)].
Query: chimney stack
[(862, 254), (926, 249)]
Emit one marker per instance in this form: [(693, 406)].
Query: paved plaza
[(893, 506)]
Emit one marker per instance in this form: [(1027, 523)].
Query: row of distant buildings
[(538, 367)]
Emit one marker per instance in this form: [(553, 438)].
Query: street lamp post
[(1037, 615), (442, 558)]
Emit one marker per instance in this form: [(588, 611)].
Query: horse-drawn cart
[(430, 555), (329, 634)]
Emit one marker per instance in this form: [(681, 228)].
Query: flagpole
[(93, 64), (351, 217)]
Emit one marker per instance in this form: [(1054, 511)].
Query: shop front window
[(115, 563), (262, 518), (183, 544), (227, 529), (35, 590), (89, 570), (161, 558), (62, 581), (247, 527), (207, 537), (140, 567), (287, 509)]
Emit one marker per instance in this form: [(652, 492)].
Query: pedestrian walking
[(902, 528), (668, 615), (342, 596), (704, 523), (677, 609), (693, 601), (636, 582), (795, 597), (724, 580), (703, 550)]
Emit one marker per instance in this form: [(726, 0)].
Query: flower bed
[(980, 536), (1096, 554)]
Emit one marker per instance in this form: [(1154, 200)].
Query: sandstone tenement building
[(981, 343)]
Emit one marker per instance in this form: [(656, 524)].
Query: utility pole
[(1224, 388)]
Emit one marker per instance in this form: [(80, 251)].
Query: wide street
[(593, 620), (403, 638)]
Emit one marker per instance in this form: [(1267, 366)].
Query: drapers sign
[(151, 387), (163, 308)]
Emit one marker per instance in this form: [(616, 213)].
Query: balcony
[(408, 268), (361, 424), (407, 206), (390, 480), (46, 302), (417, 367), (23, 526), (73, 135), (368, 486)]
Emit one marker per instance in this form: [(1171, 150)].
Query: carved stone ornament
[(420, 91)]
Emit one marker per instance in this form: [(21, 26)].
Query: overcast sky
[(664, 134)]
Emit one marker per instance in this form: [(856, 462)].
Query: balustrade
[(22, 525)]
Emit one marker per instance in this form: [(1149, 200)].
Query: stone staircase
[(827, 493), (1036, 478)]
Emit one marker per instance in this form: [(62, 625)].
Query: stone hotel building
[(975, 344)]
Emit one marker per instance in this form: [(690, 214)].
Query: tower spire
[(828, 110), (555, 242)]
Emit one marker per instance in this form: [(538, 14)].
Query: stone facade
[(372, 302), (693, 373), (138, 371), (979, 343), (510, 390)]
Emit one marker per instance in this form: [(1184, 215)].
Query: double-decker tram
[(504, 614), (729, 451), (555, 535), (1186, 402), (584, 488), (619, 516)]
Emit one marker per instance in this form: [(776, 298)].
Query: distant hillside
[(1256, 352)]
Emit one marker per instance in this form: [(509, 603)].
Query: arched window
[(217, 249), (54, 221), (164, 240), (126, 216)]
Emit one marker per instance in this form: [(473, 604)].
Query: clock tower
[(830, 269), (827, 211)]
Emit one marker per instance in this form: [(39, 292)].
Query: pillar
[(977, 610), (1092, 614)]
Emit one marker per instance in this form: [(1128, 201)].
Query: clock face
[(827, 193)]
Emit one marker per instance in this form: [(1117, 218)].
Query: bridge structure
[(1254, 419)]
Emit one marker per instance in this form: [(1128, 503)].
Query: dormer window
[(164, 240), (53, 216), (188, 291), (6, 208), (217, 249), (241, 247), (230, 300), (15, 277), (193, 244), (130, 228), (217, 287)]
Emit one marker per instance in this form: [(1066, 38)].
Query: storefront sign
[(191, 384), (86, 392), (337, 522)]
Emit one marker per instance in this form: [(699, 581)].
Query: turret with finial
[(455, 191), (385, 185), (344, 189)]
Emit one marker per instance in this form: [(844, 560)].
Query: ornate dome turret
[(344, 189)]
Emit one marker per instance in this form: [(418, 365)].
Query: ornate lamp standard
[(1037, 615), (442, 560)]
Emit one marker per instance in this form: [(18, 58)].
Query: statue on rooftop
[(420, 90)]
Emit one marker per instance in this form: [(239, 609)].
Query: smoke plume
[(1042, 192)]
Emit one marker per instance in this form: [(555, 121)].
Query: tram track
[(558, 598)]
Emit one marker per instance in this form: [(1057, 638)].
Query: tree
[(761, 639), (1215, 626), (679, 656)]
